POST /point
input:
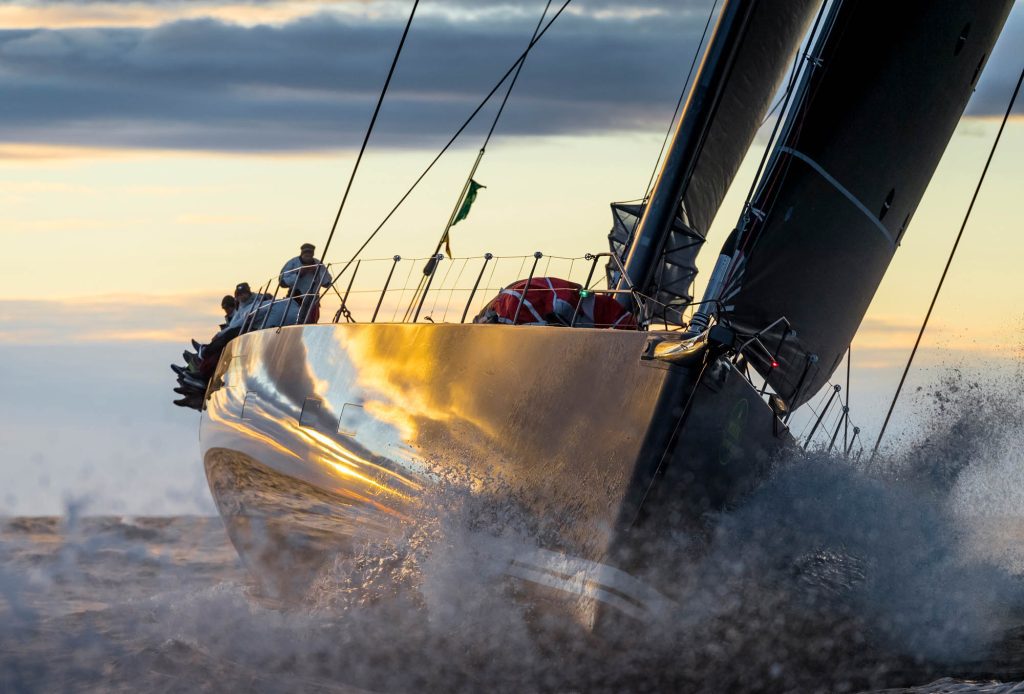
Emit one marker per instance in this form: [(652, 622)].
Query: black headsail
[(870, 122), (745, 61)]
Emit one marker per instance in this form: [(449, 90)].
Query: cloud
[(60, 14), (309, 83), (109, 319), (1001, 72)]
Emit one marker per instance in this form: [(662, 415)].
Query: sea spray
[(833, 575)]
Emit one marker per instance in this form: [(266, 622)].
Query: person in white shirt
[(304, 272), (304, 276)]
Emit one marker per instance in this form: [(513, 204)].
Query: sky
[(154, 154)]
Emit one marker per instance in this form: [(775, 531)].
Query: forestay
[(872, 118)]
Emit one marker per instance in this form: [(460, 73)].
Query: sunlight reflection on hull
[(375, 423)]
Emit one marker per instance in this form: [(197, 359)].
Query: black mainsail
[(888, 83), (744, 64)]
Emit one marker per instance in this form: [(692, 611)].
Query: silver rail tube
[(313, 295), (270, 307), (250, 317), (348, 289), (430, 279), (522, 297), (590, 277), (835, 391), (384, 291), (469, 301), (284, 313), (856, 431), (839, 425), (289, 296)]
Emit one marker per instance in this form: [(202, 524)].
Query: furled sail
[(871, 120), (746, 59)]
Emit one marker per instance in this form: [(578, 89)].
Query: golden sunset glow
[(155, 154), (140, 14)]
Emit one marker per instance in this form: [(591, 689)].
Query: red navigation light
[(775, 364)]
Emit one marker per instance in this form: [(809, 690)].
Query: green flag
[(468, 201)]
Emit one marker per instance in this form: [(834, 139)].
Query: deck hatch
[(310, 412), (248, 403), (349, 419)]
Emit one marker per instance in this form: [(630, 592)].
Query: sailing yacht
[(321, 440)]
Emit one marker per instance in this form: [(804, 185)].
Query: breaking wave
[(834, 575)]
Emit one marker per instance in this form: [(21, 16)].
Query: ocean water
[(906, 573)]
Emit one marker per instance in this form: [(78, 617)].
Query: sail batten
[(869, 125)]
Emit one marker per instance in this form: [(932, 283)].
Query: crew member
[(228, 305), (304, 276)]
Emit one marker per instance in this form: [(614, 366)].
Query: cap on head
[(242, 288), (307, 247)]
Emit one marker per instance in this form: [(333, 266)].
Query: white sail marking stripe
[(847, 194)]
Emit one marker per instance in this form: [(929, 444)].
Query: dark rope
[(366, 137), (454, 137), (487, 140), (515, 77), (679, 103), (427, 271), (949, 262)]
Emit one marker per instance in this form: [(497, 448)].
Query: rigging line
[(679, 103), (483, 147), (440, 289), (515, 77), (369, 130), (949, 261), (405, 288), (458, 132)]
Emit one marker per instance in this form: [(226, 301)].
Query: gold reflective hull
[(320, 438)]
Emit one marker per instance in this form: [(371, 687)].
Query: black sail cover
[(872, 117), (747, 58)]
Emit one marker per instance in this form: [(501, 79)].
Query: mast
[(745, 62)]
